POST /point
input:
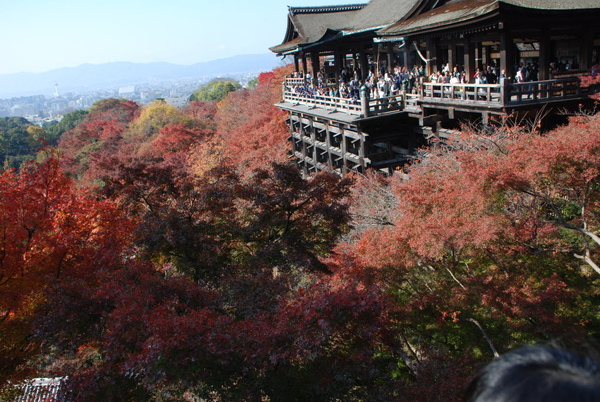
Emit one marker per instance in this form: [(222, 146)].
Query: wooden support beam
[(363, 63), (361, 153), (338, 61), (587, 49), (506, 54), (314, 58), (545, 56), (478, 55), (304, 64), (313, 139), (469, 57), (431, 53), (344, 149), (390, 56), (328, 143)]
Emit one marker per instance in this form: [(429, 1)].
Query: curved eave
[(555, 5), (297, 46), (446, 17), (288, 47), (328, 37)]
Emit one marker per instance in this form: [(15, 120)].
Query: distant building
[(128, 90), (177, 102)]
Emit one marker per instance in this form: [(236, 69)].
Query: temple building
[(373, 82)]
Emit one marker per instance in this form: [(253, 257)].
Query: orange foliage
[(50, 232), (253, 130)]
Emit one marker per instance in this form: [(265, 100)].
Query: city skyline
[(40, 36)]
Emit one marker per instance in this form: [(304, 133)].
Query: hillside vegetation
[(157, 253)]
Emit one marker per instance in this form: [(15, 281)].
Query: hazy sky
[(42, 35)]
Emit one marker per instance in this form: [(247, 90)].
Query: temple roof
[(555, 4), (315, 25), (307, 25), (459, 11), (311, 25), (380, 13)]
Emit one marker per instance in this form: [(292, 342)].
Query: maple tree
[(195, 267), (251, 127), (478, 253), (207, 225), (50, 233), (99, 132)]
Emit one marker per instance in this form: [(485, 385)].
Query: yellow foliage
[(154, 117), (36, 132), (207, 156)]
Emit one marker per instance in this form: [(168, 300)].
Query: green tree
[(55, 129), (215, 90), (19, 141), (253, 83)]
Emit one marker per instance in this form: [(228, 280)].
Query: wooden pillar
[(304, 65), (295, 147), (303, 139), (431, 55), (344, 147), (314, 58), (328, 143), (338, 62), (296, 65), (390, 56), (478, 55), (364, 63), (377, 61), (313, 140), (451, 61), (587, 48), (469, 56), (485, 56), (507, 61), (545, 55), (361, 151)]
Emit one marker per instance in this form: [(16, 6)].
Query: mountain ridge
[(89, 77)]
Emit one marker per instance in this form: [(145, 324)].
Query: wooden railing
[(295, 82), (558, 89), (476, 95), (329, 103), (509, 94), (462, 92)]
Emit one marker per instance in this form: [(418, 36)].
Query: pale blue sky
[(42, 35)]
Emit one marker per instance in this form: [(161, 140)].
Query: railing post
[(364, 100), (505, 91)]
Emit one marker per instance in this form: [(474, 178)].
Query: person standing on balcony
[(491, 76), (502, 77), (446, 78), (521, 71)]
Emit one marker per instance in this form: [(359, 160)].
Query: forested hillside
[(162, 254)]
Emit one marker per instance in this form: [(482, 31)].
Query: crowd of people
[(351, 81), (386, 83)]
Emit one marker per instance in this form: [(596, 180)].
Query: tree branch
[(485, 335)]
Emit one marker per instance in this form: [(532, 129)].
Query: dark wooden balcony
[(493, 98)]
